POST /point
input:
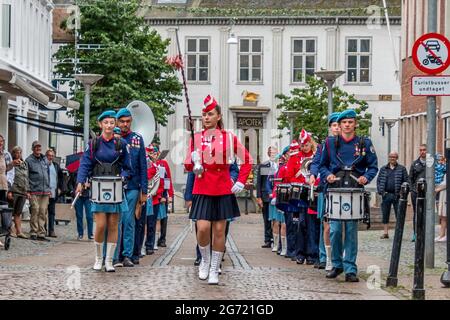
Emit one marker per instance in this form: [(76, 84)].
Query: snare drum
[(345, 204), (107, 190), (299, 194), (283, 196)]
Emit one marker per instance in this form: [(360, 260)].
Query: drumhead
[(346, 190)]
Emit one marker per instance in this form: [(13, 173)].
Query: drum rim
[(107, 178), (346, 190)]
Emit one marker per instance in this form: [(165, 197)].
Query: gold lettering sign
[(250, 123)]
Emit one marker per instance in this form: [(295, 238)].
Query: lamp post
[(291, 114), (330, 77), (390, 124), (88, 80)]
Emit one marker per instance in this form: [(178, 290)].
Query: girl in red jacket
[(213, 194)]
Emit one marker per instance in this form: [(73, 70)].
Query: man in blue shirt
[(338, 153), (136, 189)]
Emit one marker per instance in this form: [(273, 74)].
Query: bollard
[(418, 292), (392, 279), (445, 278)]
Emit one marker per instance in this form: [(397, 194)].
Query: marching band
[(313, 193)]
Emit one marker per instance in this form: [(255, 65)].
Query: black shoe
[(300, 260), (310, 262), (267, 245), (149, 252), (334, 273), (316, 265), (43, 239), (197, 261), (33, 237), (127, 262), (351, 277), (162, 244), (322, 265), (135, 261), (293, 258)]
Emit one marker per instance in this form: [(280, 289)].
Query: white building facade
[(272, 56)]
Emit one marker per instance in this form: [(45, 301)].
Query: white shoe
[(98, 256), (283, 246), (216, 259), (203, 269), (110, 248), (329, 265), (439, 239), (275, 242)]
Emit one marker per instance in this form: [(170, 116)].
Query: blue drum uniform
[(105, 153), (338, 153)]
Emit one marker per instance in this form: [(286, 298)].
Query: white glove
[(237, 187), (195, 156), (274, 201)]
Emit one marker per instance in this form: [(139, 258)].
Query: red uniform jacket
[(217, 149), (168, 175), (281, 174), (294, 165), (151, 171)]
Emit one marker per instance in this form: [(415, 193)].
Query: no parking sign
[(431, 53)]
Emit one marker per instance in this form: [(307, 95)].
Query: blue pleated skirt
[(320, 205), (162, 211), (149, 207), (275, 214), (110, 208)]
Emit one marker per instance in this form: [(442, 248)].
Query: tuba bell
[(143, 120)]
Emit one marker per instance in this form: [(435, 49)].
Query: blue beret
[(124, 112), (347, 114), (107, 114), (333, 117), (117, 130)]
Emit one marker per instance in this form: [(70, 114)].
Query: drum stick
[(354, 178), (75, 200)]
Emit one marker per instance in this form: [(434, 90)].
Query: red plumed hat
[(210, 103)]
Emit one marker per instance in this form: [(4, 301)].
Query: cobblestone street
[(61, 269)]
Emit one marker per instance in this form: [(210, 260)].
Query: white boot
[(143, 247), (328, 265), (155, 246), (214, 269), (98, 256), (110, 248), (283, 246), (275, 242), (203, 269)]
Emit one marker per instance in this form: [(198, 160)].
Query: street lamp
[(330, 77), (88, 80), (291, 114), (390, 124)]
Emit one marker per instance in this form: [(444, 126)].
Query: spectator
[(389, 182), (83, 204), (442, 210), (5, 166), (440, 169), (19, 190), (39, 181), (56, 182), (416, 172)]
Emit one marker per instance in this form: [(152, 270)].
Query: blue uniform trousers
[(350, 245), (301, 235), (291, 234), (322, 251), (139, 233), (151, 228), (127, 225), (312, 242)]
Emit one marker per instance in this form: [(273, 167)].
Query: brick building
[(413, 122)]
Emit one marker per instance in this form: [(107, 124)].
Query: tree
[(312, 102), (132, 57)]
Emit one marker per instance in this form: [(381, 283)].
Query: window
[(198, 53), (359, 56), (303, 63), (6, 25), (197, 123), (250, 59)]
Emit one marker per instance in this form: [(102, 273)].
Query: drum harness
[(350, 172), (102, 168)]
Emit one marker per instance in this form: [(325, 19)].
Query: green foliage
[(132, 60), (312, 103)]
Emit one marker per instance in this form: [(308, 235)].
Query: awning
[(14, 84), (48, 125)]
